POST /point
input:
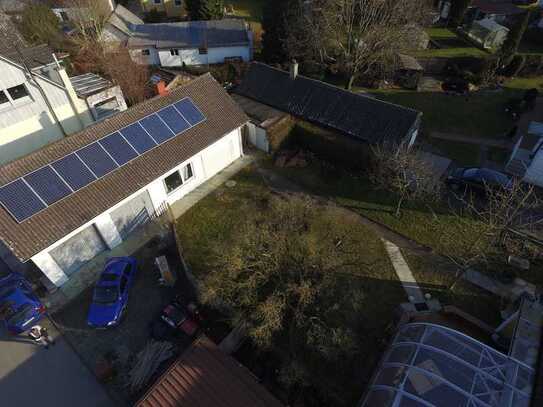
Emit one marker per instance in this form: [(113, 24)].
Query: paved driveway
[(33, 375)]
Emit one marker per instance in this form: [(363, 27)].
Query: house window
[(3, 98), (173, 181), (18, 92), (178, 178), (202, 51), (106, 107), (187, 172), (145, 52), (174, 52), (177, 3)]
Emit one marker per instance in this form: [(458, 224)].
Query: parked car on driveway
[(110, 297), (19, 306), (174, 319), (478, 179)]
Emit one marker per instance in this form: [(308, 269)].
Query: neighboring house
[(358, 117), (38, 104), (526, 161), (488, 33), (433, 365), (118, 27), (191, 43), (103, 98), (172, 8), (204, 376), (77, 198), (496, 10), (66, 14)]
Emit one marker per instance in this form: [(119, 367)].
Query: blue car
[(20, 309), (110, 296)]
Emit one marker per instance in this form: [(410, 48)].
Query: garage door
[(133, 214), (78, 250)]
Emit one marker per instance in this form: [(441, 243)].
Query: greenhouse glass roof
[(432, 365)]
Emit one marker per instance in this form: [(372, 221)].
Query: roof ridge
[(329, 85)]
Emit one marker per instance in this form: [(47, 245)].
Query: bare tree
[(89, 17), (132, 77), (363, 36), (403, 171), (487, 222)]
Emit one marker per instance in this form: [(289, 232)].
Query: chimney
[(293, 69), (161, 88)]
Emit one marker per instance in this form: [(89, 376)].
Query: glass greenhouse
[(432, 365)]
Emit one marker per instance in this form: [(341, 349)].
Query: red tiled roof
[(206, 377), (35, 234)]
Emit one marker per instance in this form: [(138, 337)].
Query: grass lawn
[(463, 154), (450, 46), (480, 115), (215, 218)]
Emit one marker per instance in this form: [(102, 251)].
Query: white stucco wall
[(139, 58), (28, 124), (205, 164), (193, 56)]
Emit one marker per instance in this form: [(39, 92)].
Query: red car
[(175, 318)]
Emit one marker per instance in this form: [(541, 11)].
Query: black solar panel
[(32, 193), (173, 119), (189, 111), (138, 138), (156, 128), (97, 159), (118, 148), (74, 171), (19, 200), (48, 185)]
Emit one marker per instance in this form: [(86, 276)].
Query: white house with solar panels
[(77, 198)]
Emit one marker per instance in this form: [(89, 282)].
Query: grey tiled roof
[(353, 114), (28, 238), (191, 34)]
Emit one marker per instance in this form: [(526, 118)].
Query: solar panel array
[(32, 193)]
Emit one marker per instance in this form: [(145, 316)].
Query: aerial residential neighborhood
[(256, 203)]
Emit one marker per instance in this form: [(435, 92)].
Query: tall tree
[(458, 11), (39, 25), (511, 44), (362, 36), (274, 25), (205, 9), (89, 17)]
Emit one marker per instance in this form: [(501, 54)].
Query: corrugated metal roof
[(41, 230), (89, 83), (358, 116), (206, 377), (190, 34)]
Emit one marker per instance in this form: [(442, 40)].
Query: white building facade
[(184, 149), (36, 110)]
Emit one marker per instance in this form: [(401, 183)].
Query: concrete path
[(403, 271), (195, 196), (480, 141), (55, 377)]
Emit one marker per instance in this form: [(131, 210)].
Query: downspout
[(42, 92)]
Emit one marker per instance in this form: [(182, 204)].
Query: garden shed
[(488, 33), (409, 72)]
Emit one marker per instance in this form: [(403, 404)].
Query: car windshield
[(23, 314), (494, 177), (6, 291), (109, 277), (471, 173), (105, 295)]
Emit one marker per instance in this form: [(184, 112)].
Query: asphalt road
[(54, 377)]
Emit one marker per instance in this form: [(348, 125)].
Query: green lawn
[(213, 220), (480, 115), (252, 11), (463, 154), (450, 46)]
